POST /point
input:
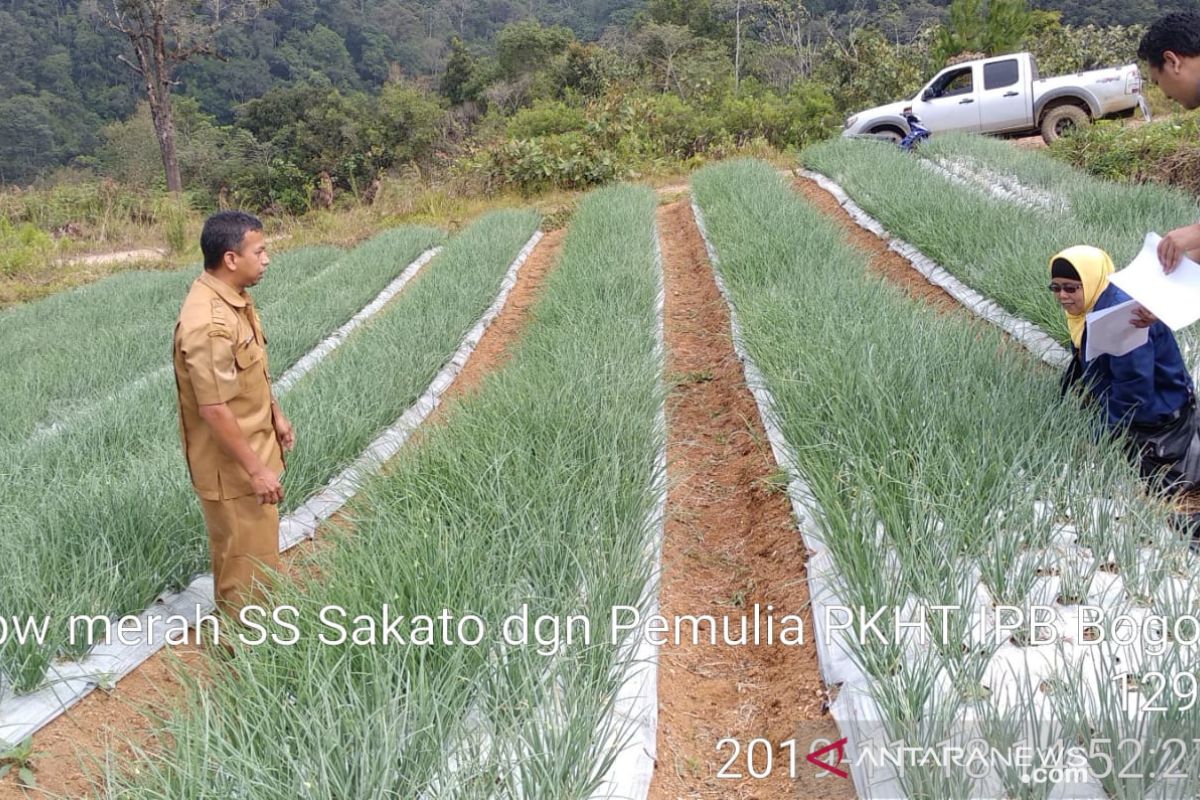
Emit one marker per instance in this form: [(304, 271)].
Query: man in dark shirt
[(1171, 48)]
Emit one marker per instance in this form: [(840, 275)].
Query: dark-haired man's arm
[(1178, 243), (1174, 246)]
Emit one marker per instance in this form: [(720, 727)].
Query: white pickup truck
[(1004, 95)]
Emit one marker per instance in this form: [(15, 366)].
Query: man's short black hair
[(1178, 32), (224, 231)]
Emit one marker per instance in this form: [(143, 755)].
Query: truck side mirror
[(927, 95)]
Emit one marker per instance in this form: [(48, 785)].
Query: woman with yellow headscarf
[(1147, 394)]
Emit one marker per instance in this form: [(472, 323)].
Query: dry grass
[(72, 261)]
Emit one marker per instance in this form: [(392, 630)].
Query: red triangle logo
[(815, 757)]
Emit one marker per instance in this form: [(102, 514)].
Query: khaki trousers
[(243, 537)]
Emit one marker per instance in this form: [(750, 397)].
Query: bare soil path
[(893, 267), (730, 543), (884, 262)]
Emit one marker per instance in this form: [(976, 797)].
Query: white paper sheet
[(1174, 298), (1111, 331)]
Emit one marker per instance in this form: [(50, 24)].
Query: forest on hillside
[(1074, 12), (349, 88)]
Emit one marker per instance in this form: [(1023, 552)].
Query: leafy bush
[(868, 69), (313, 129), (804, 115), (276, 185), (566, 161), (554, 144), (210, 155), (129, 152), (673, 127), (175, 217), (993, 27), (544, 119), (1164, 152), (1062, 50), (22, 245), (587, 69), (527, 46), (407, 125)]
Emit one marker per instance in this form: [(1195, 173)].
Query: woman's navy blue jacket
[(1144, 386)]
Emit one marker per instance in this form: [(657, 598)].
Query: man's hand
[(267, 487), (284, 432), (1142, 318), (231, 439), (1176, 244)]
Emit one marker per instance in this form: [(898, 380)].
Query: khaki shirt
[(220, 357)]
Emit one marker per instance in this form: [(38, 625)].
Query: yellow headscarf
[(1094, 266)]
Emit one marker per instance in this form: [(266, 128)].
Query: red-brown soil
[(730, 543)]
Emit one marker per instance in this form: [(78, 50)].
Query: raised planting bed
[(102, 518), (63, 354), (539, 491), (999, 247), (932, 468)]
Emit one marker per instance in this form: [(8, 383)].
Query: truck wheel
[(1062, 119), (889, 134)]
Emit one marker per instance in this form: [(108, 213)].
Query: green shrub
[(567, 161), (587, 69), (558, 145), (277, 184), (1062, 49), (544, 119), (22, 245), (175, 215), (677, 129), (1165, 152), (129, 151), (804, 115)]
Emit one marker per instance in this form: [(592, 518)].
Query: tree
[(460, 69), (780, 41), (702, 17), (737, 48), (661, 46), (374, 56), (19, 56), (93, 47), (26, 138), (457, 11), (585, 69), (865, 68), (993, 27), (527, 46), (318, 55), (409, 124), (165, 34)]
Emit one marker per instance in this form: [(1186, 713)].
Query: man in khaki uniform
[(234, 433)]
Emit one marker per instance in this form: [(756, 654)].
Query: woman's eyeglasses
[(1058, 287)]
